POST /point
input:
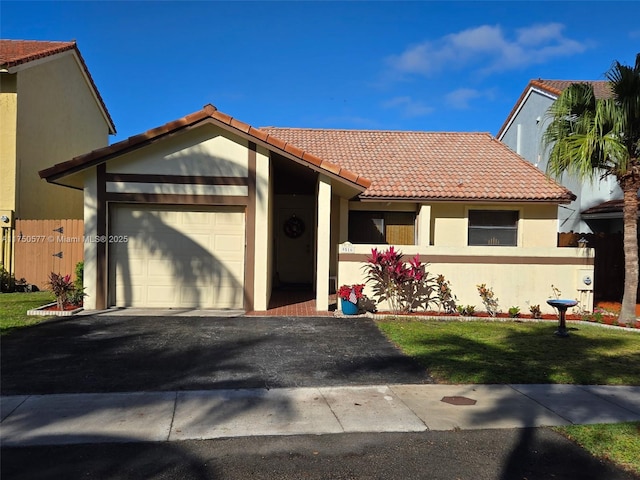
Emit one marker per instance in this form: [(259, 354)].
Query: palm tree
[(593, 137)]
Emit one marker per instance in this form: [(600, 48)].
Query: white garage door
[(176, 257)]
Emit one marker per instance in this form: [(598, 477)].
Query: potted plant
[(349, 296)]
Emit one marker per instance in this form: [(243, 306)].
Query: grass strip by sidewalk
[(618, 442), (518, 352), (14, 307)]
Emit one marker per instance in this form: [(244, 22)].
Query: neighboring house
[(50, 110), (522, 131), (209, 212)]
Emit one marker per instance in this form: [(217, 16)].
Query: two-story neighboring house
[(522, 132), (50, 110)]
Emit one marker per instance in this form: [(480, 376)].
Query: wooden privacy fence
[(608, 281), (45, 246)]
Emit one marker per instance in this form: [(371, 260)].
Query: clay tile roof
[(208, 113), (429, 165), (601, 89), (14, 53)]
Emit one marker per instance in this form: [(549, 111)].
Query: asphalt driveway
[(92, 354)]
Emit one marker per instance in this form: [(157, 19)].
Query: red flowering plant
[(351, 293), (406, 286), (62, 287)]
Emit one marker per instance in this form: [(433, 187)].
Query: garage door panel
[(178, 258), (228, 243)]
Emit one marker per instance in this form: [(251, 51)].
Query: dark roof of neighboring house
[(435, 166), (14, 53), (611, 206), (209, 113), (554, 88)]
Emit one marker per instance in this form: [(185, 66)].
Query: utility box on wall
[(584, 279)]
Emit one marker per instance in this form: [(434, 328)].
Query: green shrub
[(7, 281)]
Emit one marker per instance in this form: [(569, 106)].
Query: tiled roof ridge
[(358, 130), (58, 47), (208, 111)]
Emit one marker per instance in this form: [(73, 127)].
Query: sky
[(421, 65)]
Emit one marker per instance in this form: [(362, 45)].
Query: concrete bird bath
[(562, 306)]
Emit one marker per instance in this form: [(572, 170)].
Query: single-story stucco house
[(209, 212)]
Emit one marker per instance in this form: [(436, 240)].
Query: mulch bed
[(606, 319)]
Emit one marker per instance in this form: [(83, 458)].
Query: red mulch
[(67, 307), (614, 307), (606, 319)]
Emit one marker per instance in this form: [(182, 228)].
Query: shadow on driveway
[(93, 354)]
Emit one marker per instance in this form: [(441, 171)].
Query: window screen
[(493, 227), (392, 228)]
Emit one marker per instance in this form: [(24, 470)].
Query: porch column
[(323, 243), (90, 231), (424, 226), (343, 235)]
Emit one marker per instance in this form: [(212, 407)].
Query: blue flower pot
[(348, 308)]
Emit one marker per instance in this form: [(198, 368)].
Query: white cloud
[(408, 107), (460, 98), (486, 49)]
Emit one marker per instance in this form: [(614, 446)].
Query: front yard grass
[(512, 352), (618, 442), (518, 352), (14, 307)]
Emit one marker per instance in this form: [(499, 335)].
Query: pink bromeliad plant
[(406, 286)]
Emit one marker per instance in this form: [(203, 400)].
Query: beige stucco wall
[(8, 121), (536, 228), (58, 118), (515, 283), (207, 150)]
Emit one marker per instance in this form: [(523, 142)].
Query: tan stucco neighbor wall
[(58, 118), (8, 121)]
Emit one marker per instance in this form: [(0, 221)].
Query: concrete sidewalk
[(172, 416)]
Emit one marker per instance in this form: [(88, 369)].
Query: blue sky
[(432, 66)]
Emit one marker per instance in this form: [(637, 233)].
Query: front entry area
[(176, 257), (295, 239)]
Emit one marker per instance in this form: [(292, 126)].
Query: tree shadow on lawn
[(532, 355)]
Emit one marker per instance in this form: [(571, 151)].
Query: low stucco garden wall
[(518, 276)]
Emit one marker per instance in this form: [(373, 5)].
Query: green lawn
[(14, 306), (511, 352), (619, 442)]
